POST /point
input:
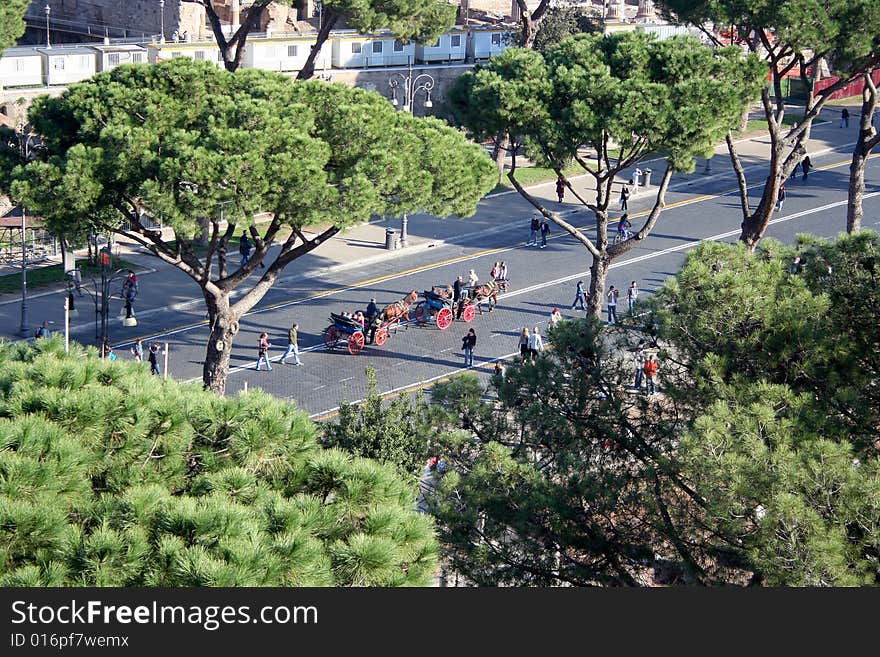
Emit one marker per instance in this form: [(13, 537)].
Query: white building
[(63, 65), (21, 67)]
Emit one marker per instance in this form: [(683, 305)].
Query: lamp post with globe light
[(162, 20), (409, 86), (47, 10)]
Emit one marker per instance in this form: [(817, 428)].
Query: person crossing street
[(292, 346), (579, 296), (534, 227)]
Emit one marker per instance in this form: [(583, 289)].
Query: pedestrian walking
[(579, 296), (524, 343), (545, 231), (560, 189), (496, 271), (292, 345), (650, 368), (153, 357), (244, 249), (806, 165), (780, 198), (137, 350), (795, 170), (624, 197), (263, 351), (555, 317), (536, 344), (534, 227), (502, 271), (844, 118), (468, 343), (632, 294), (636, 177), (612, 305)]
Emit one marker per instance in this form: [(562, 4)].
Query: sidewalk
[(165, 289)]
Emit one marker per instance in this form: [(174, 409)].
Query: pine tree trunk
[(754, 227), (598, 276), (866, 142), (224, 327), (854, 208)]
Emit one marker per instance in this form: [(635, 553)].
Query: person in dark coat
[(468, 342), (806, 165), (370, 316)]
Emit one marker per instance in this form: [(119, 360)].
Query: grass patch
[(44, 276), (534, 175), (760, 125)]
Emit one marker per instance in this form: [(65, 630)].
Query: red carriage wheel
[(419, 313), (381, 336), (469, 312), (355, 343), (444, 318), (331, 335)]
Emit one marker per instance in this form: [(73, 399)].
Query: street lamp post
[(24, 330), (162, 20), (47, 10), (409, 87)]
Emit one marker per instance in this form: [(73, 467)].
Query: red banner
[(854, 88)]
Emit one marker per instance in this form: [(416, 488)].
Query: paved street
[(700, 206)]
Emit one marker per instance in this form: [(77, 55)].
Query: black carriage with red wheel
[(347, 331), (439, 306)]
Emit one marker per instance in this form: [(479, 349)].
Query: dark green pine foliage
[(776, 356), (388, 432), (112, 477), (11, 22)]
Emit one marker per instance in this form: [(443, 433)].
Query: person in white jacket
[(536, 344)]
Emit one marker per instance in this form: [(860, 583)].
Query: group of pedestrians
[(530, 344), (612, 296), (263, 346), (646, 368), (538, 226), (137, 350)]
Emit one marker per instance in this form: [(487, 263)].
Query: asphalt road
[(699, 207), (541, 279)]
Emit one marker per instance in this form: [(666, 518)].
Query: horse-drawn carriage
[(437, 304), (347, 331)]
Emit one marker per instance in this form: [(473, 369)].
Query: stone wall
[(141, 15)]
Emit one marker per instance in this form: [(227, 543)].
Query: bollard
[(165, 369)]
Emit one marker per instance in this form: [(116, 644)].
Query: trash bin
[(646, 178), (390, 239)]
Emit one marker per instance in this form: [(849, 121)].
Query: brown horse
[(394, 312), (483, 293)]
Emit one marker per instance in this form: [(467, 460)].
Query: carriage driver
[(372, 315)]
